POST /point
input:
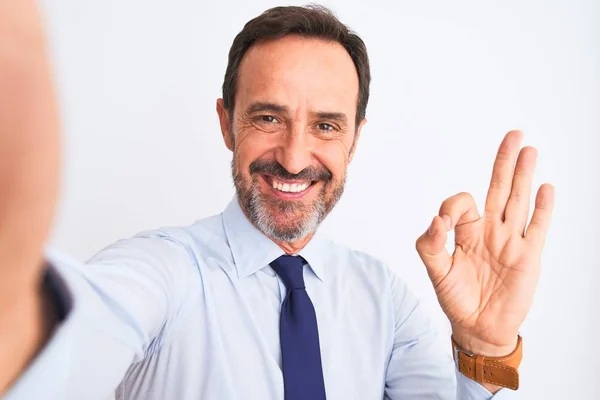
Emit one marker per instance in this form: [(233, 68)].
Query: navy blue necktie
[(299, 335)]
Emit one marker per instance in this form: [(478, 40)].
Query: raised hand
[(487, 285)]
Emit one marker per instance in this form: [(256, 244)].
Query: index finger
[(502, 174)]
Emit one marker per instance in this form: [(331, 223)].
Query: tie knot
[(289, 269)]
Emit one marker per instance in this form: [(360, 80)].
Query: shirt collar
[(252, 251)]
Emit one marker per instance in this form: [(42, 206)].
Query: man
[(253, 303)]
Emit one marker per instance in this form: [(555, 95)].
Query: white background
[(138, 82)]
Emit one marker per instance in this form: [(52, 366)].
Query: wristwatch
[(500, 371)]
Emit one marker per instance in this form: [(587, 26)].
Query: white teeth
[(286, 187)]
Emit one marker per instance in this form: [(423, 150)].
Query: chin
[(284, 225)]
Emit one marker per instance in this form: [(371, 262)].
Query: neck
[(293, 247)]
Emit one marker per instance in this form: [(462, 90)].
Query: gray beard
[(306, 218), (303, 219)]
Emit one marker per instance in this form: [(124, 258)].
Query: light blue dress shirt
[(193, 313)]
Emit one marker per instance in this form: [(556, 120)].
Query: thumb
[(432, 250)]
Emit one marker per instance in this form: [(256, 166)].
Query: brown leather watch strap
[(500, 371)]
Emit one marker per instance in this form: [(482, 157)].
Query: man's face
[(292, 133)]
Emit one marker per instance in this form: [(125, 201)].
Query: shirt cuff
[(47, 375), (468, 389)]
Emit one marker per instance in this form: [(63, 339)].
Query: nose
[(294, 154)]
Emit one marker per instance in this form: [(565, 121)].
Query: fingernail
[(431, 230), (447, 221)]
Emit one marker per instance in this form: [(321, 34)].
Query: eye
[(268, 123), (267, 119), (325, 127)]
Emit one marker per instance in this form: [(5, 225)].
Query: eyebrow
[(335, 116), (261, 106)]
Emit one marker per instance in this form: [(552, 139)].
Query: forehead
[(300, 73)]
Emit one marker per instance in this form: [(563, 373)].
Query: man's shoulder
[(205, 229), (362, 260), (365, 265), (202, 233)]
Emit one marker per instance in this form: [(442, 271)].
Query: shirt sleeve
[(468, 389), (117, 309), (419, 368)]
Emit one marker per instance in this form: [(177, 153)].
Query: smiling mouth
[(291, 187)]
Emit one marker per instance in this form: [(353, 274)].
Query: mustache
[(273, 168)]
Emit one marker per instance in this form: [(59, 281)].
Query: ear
[(225, 124), (356, 137)]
